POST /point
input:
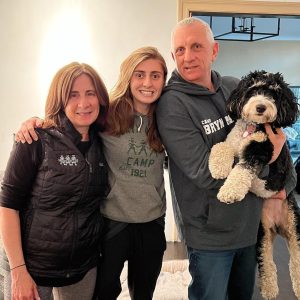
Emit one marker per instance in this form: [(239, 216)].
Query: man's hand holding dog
[(281, 195), (278, 140)]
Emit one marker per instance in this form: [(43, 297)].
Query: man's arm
[(289, 186), (184, 143), (291, 180), (277, 139)]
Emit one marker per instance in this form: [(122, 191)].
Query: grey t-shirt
[(135, 175)]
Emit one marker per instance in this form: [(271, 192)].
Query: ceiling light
[(247, 28)]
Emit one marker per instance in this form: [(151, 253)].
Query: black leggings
[(143, 245)]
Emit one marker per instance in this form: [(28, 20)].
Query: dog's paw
[(236, 186), (221, 160), (270, 291), (268, 282), (259, 137), (294, 267), (258, 188), (230, 195)]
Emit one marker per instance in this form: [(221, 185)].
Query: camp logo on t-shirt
[(140, 158)]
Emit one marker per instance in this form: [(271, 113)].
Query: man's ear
[(215, 51)]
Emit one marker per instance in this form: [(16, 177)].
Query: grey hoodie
[(135, 175), (191, 119)]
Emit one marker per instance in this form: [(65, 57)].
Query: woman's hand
[(27, 131), (22, 285), (278, 140)]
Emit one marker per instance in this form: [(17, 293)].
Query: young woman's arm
[(22, 285), (26, 133)]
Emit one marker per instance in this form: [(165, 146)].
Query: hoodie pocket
[(223, 217)]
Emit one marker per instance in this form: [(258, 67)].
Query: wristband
[(17, 267)]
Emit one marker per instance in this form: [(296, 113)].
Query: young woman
[(51, 193), (134, 209)]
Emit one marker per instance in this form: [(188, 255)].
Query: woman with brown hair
[(135, 207), (51, 193)]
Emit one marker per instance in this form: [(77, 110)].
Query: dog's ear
[(235, 101), (287, 105)]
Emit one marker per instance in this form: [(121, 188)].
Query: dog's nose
[(260, 108)]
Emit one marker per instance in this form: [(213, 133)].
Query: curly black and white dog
[(261, 97)]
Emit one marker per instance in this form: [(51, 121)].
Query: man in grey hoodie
[(192, 118)]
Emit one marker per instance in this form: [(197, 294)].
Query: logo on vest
[(68, 160)]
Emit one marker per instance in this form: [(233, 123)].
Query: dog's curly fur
[(261, 97)]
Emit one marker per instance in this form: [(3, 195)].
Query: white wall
[(39, 36), (238, 58)]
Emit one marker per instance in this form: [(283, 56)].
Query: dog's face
[(263, 97), (259, 104)]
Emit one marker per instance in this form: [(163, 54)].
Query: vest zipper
[(90, 166), (75, 224)]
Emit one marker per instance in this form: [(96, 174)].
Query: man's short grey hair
[(191, 20)]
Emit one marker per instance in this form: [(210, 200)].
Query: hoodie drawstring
[(141, 124)]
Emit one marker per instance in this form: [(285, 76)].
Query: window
[(293, 133)]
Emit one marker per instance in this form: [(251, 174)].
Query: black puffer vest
[(62, 223)]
